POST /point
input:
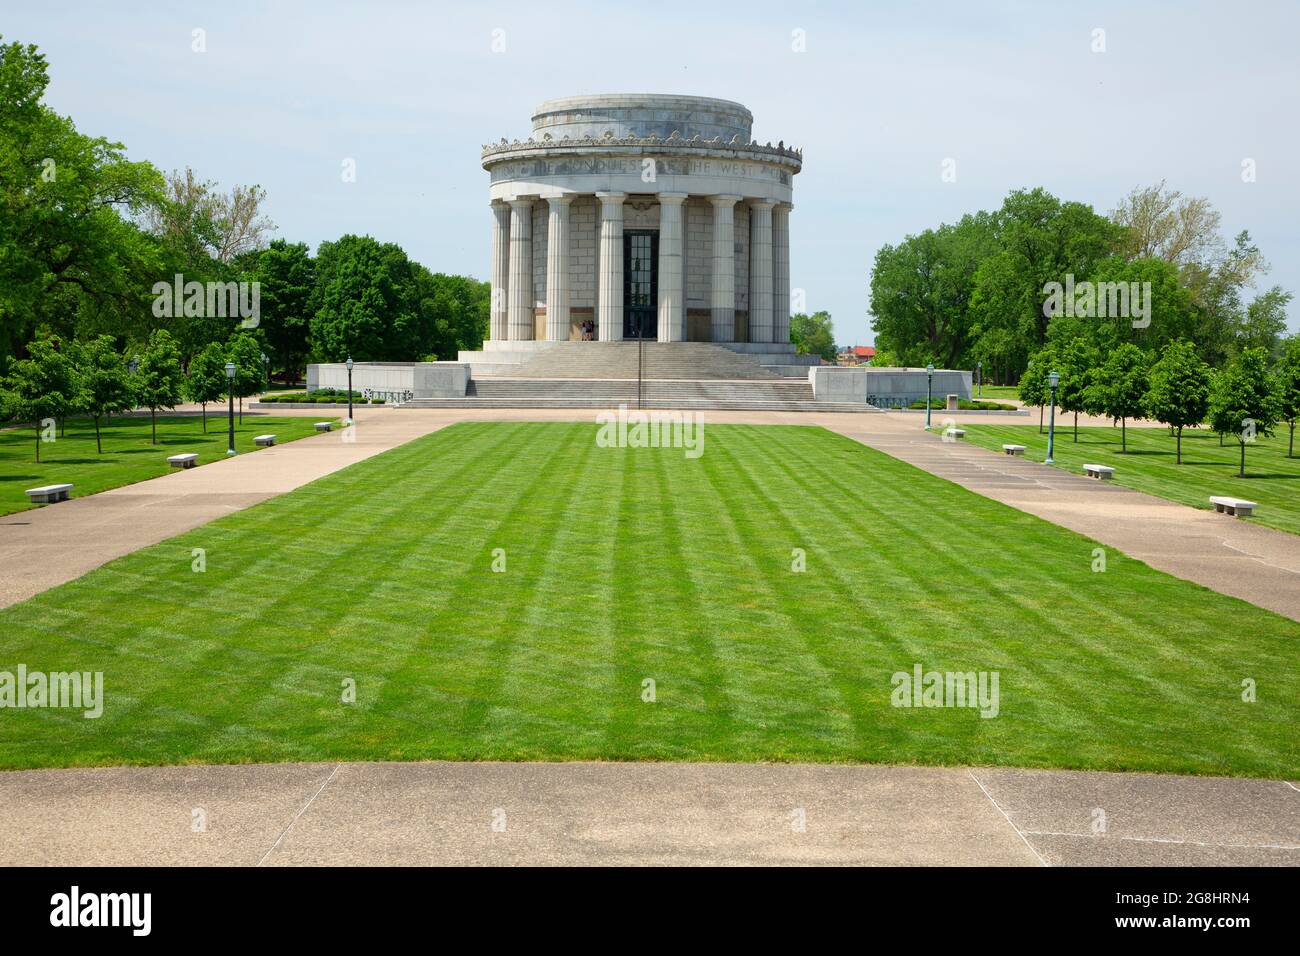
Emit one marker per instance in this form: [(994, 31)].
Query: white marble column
[(760, 270), (672, 299), (610, 290), (498, 329), (781, 273), (723, 298), (520, 299), (557, 267)]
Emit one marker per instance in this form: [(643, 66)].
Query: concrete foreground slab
[(637, 814)]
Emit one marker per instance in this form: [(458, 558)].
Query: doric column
[(500, 324), (610, 291), (672, 305), (781, 272), (557, 267), (520, 298), (723, 298), (760, 270)]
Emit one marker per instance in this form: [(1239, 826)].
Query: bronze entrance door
[(640, 284)]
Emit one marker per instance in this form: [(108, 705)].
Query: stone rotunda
[(640, 217)]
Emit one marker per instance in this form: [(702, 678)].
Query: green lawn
[(128, 455), (624, 565), (998, 392), (1272, 479)]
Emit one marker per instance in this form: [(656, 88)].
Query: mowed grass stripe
[(632, 563), (894, 518)]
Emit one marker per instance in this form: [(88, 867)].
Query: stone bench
[(48, 494), (324, 426), (264, 441), (1100, 472), (186, 460), (956, 432), (1013, 449), (1237, 507)]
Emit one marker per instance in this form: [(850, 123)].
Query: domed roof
[(642, 114)]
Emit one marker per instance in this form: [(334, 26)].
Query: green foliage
[(1264, 323), (920, 290), (813, 335), (65, 249), (105, 383), (250, 371), (1120, 387), (42, 387), (206, 379), (1243, 400), (1179, 390), (1287, 385), (287, 274), (159, 381), (885, 359)]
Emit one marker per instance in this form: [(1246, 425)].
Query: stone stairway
[(690, 361), (772, 394)]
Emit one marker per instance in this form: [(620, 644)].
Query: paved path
[(591, 813), (643, 813)]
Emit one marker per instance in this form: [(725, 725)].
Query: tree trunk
[(241, 409), (1123, 436), (1040, 418), (1076, 427), (204, 406), (1290, 451), (1241, 472), (99, 447), (38, 441), (1178, 454), (153, 425)]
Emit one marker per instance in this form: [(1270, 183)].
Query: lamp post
[(348, 363), (929, 391), (1053, 380), (979, 378), (230, 392)]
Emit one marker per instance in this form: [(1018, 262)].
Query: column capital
[(761, 203), (725, 200), (558, 197), (522, 202), (611, 197), (672, 197), (785, 206), (497, 203)]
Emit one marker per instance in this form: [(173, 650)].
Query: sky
[(878, 96)]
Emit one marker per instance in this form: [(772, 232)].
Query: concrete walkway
[(584, 813)]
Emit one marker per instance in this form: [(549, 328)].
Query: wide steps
[(625, 390), (668, 404), (652, 360)]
